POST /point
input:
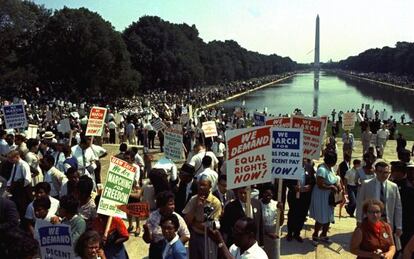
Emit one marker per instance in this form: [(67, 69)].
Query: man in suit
[(382, 189), (186, 189), (225, 196), (236, 210)]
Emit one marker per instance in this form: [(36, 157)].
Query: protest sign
[(348, 121), (15, 116), (173, 143), (31, 131), (249, 157), (64, 126), (54, 239), (278, 122), (117, 187), (259, 119), (313, 130), (287, 153), (158, 124), (209, 128), (138, 209), (96, 121)]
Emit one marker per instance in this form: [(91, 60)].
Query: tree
[(78, 50)]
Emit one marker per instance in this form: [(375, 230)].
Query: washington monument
[(316, 62), (316, 67)]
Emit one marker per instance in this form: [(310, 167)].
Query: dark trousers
[(298, 210), (352, 194), (112, 136), (151, 139), (98, 172), (156, 249)]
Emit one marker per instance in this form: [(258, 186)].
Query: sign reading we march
[(117, 188), (287, 153), (15, 116), (249, 157), (96, 121)]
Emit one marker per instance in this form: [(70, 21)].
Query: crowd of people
[(401, 80), (55, 176)]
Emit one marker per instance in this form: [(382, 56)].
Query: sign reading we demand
[(249, 157)]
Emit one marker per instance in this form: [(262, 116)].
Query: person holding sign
[(68, 211), (320, 209)]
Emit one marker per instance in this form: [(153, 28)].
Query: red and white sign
[(209, 128), (249, 157), (279, 122), (138, 209), (313, 130), (96, 121)]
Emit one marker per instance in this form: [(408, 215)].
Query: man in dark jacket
[(236, 210)]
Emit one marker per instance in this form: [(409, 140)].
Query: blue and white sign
[(259, 119), (287, 153), (15, 116), (55, 240)]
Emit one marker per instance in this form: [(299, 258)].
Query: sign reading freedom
[(249, 157), (117, 188)]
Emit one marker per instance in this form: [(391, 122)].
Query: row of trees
[(76, 53), (398, 60)]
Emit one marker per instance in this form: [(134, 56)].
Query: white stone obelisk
[(316, 67)]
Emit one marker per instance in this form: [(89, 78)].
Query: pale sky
[(284, 27)]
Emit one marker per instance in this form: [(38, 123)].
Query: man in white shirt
[(383, 135), (245, 245), (170, 168), (53, 176), (200, 152), (208, 172), (86, 158), (219, 149), (19, 183)]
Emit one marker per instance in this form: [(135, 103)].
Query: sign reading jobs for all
[(55, 240), (249, 157), (15, 116), (209, 128), (117, 188), (96, 121), (173, 145), (287, 153)]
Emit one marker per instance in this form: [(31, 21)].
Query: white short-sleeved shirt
[(54, 205), (198, 158), (254, 252), (350, 176), (269, 212), (20, 170)]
